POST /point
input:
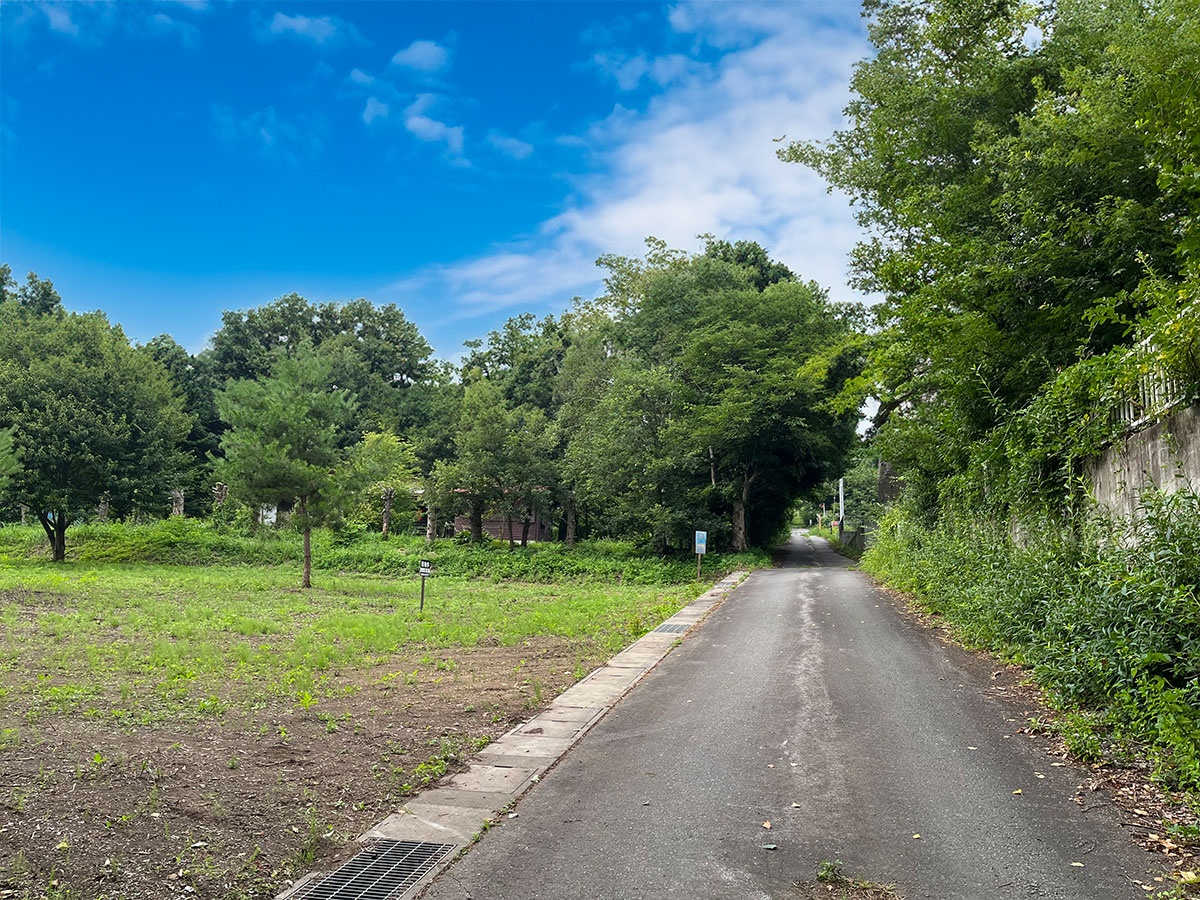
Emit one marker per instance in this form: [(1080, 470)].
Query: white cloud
[(424, 56), (375, 109), (276, 138), (699, 158), (358, 76), (627, 71), (59, 19), (162, 24), (510, 146), (324, 31), (431, 130), (428, 129)]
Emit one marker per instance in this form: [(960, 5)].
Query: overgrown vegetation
[(188, 542), (1108, 617), (1027, 176)]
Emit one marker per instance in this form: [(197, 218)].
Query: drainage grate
[(673, 628), (384, 871)]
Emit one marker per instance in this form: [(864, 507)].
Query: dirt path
[(811, 702)]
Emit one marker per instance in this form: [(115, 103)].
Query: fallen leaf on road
[(1189, 878), (916, 837), (1140, 812), (1077, 865), (1017, 791), (770, 765), (769, 846), (766, 824)]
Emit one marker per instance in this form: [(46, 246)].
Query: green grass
[(191, 542), (830, 535), (135, 642)]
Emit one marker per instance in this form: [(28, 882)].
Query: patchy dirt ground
[(237, 805)]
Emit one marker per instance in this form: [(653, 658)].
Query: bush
[(1108, 616)]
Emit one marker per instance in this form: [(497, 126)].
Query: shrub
[(1107, 615)]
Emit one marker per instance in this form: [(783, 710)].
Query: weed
[(1105, 613), (829, 871)]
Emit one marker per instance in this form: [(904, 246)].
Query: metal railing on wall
[(1156, 392)]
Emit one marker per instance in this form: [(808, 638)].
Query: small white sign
[(426, 568), (701, 542)]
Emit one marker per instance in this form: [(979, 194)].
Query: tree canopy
[(90, 417), (1020, 171)]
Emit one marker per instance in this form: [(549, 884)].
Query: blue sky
[(164, 161)]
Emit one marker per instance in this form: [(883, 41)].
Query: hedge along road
[(807, 700)]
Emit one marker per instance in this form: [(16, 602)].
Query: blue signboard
[(701, 542)]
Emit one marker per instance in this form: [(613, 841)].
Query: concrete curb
[(463, 806)]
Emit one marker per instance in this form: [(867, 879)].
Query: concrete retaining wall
[(1165, 455)]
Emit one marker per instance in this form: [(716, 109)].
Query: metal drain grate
[(384, 871), (673, 628)]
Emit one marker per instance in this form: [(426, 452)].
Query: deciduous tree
[(91, 416)]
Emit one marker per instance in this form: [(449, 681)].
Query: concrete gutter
[(459, 809)]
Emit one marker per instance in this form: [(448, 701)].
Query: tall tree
[(480, 472), (375, 352), (9, 464), (91, 416), (382, 470), (194, 381), (1004, 188), (523, 357), (37, 294), (282, 442)]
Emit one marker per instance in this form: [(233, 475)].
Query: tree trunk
[(102, 509), (388, 495), (56, 531), (177, 502), (24, 514), (508, 519), (571, 521), (430, 523), (306, 580), (739, 517), (476, 523), (525, 530)]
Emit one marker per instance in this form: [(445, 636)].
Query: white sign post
[(701, 549), (426, 571)]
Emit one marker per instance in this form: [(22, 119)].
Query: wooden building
[(496, 525)]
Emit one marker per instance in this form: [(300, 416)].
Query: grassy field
[(175, 710)]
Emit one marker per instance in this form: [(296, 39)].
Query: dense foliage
[(695, 394), (1110, 622), (92, 420), (1029, 179), (1029, 191)]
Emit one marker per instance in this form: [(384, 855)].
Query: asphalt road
[(809, 700)]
